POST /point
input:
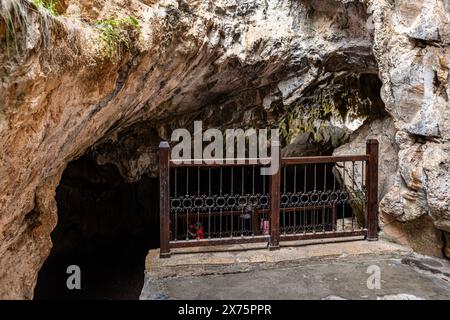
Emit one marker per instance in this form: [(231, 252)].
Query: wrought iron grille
[(307, 198), (322, 197), (223, 202)]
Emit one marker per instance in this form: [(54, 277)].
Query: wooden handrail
[(220, 162), (265, 161), (328, 159)]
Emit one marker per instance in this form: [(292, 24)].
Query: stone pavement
[(299, 271)]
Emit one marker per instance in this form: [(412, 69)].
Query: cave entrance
[(106, 227)]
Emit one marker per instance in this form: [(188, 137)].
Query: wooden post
[(164, 209), (275, 180), (255, 222), (372, 189)]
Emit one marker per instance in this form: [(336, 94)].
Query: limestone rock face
[(412, 48), (227, 62), (411, 44), (384, 131)]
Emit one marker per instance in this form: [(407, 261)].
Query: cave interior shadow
[(106, 226)]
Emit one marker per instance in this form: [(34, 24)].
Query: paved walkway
[(320, 271)]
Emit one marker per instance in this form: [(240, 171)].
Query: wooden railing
[(229, 203)]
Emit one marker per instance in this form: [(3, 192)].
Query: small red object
[(200, 233)]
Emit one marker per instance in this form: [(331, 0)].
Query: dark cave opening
[(106, 227)]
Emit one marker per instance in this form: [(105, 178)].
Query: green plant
[(49, 5), (117, 35), (14, 20)]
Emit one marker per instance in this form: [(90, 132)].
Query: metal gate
[(232, 203)]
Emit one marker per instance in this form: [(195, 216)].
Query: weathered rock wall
[(232, 62), (411, 44), (412, 47)]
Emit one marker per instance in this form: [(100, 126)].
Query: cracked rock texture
[(412, 48), (411, 44), (230, 63)]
